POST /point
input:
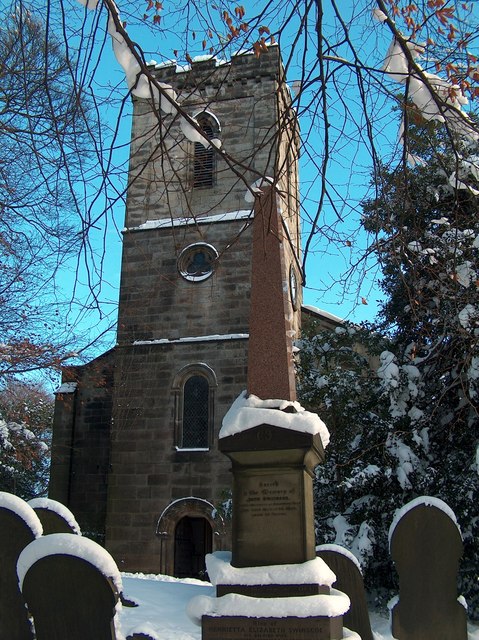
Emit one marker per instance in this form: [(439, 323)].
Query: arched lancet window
[(195, 413), (204, 158), (194, 388)]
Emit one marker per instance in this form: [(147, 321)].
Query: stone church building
[(134, 452)]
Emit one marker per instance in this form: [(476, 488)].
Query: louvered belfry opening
[(204, 161)]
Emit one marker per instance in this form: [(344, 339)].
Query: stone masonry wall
[(157, 303), (148, 472), (81, 444), (242, 95)]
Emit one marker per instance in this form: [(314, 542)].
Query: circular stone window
[(197, 261)]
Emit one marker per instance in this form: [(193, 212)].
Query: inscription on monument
[(272, 497), (269, 521), (265, 628)]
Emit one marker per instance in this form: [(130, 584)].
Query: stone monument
[(273, 586)]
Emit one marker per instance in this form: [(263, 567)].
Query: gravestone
[(286, 602), (349, 579), (426, 546), (67, 593), (273, 467), (19, 526), (54, 516)]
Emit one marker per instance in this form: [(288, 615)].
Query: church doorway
[(188, 529), (193, 540)]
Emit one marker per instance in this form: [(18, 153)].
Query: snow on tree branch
[(140, 81), (435, 97)]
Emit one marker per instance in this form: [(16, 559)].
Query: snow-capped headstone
[(273, 465), (349, 580), (426, 547), (54, 516), (71, 586), (19, 526)]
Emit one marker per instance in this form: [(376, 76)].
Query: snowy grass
[(163, 601)]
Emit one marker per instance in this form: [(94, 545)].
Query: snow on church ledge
[(213, 338), (66, 387), (167, 223), (250, 411)]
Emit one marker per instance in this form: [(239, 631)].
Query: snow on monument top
[(232, 604), (248, 412)]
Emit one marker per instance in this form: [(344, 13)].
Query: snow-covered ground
[(163, 601)]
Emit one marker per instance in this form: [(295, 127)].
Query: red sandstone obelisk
[(273, 467), (270, 351)]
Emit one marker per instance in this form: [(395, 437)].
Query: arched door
[(193, 540)]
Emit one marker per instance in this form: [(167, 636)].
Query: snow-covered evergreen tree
[(407, 425), (26, 414)]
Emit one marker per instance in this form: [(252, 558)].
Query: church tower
[(181, 357)]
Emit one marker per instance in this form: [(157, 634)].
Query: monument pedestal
[(282, 602), (273, 590), (273, 587), (273, 515)]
